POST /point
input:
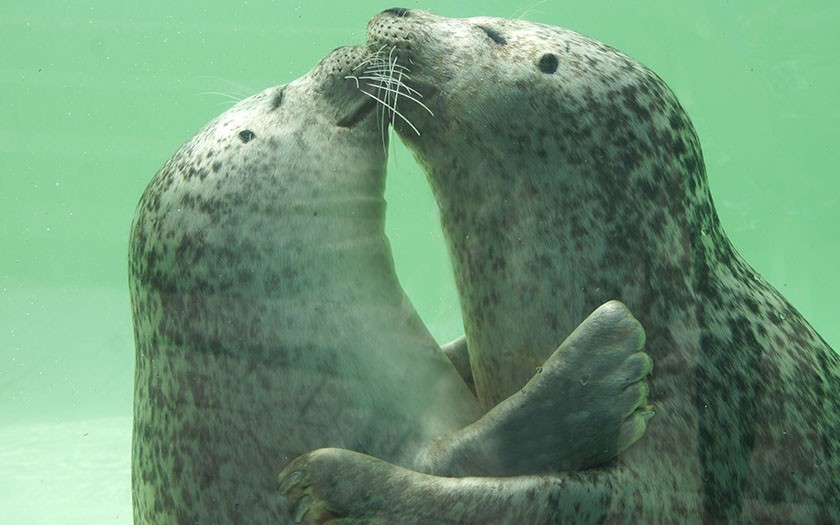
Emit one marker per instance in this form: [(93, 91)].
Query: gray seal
[(269, 321), (564, 169)]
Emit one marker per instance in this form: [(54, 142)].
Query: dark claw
[(302, 508), (289, 481)]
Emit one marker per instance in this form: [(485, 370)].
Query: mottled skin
[(269, 322), (566, 169)]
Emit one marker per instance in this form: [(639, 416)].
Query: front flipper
[(582, 408), (586, 405)]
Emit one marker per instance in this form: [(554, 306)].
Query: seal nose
[(397, 11)]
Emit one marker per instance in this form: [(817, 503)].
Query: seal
[(564, 169), (269, 321)]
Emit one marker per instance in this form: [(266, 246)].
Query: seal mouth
[(386, 78), (365, 109), (426, 91)]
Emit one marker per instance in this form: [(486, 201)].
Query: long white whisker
[(420, 103), (391, 68), (375, 58), (398, 84), (402, 88), (383, 115), (382, 67), (388, 79), (220, 94), (396, 95), (394, 111), (391, 60), (384, 76), (355, 79)]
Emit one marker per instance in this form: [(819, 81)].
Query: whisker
[(353, 78), (420, 103), (375, 56), (394, 84), (383, 118), (395, 92), (384, 114), (394, 111), (382, 69), (397, 84), (241, 90), (383, 73), (231, 99)]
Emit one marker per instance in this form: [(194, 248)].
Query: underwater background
[(97, 95)]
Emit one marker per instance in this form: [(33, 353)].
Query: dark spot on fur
[(494, 35), (397, 11), (246, 136), (277, 99), (548, 63)]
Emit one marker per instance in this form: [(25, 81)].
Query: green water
[(97, 95)]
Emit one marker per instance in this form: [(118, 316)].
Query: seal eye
[(548, 63), (246, 136)]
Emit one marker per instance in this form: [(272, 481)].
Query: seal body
[(268, 318), (269, 322), (567, 174)]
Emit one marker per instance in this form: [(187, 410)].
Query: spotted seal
[(563, 168), (269, 321)]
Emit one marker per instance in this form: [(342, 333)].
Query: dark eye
[(246, 135), (494, 35), (548, 63)]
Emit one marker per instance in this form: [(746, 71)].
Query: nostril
[(397, 11)]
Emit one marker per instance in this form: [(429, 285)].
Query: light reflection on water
[(75, 472)]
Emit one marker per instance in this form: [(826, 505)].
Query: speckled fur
[(268, 318), (269, 322), (567, 174)]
